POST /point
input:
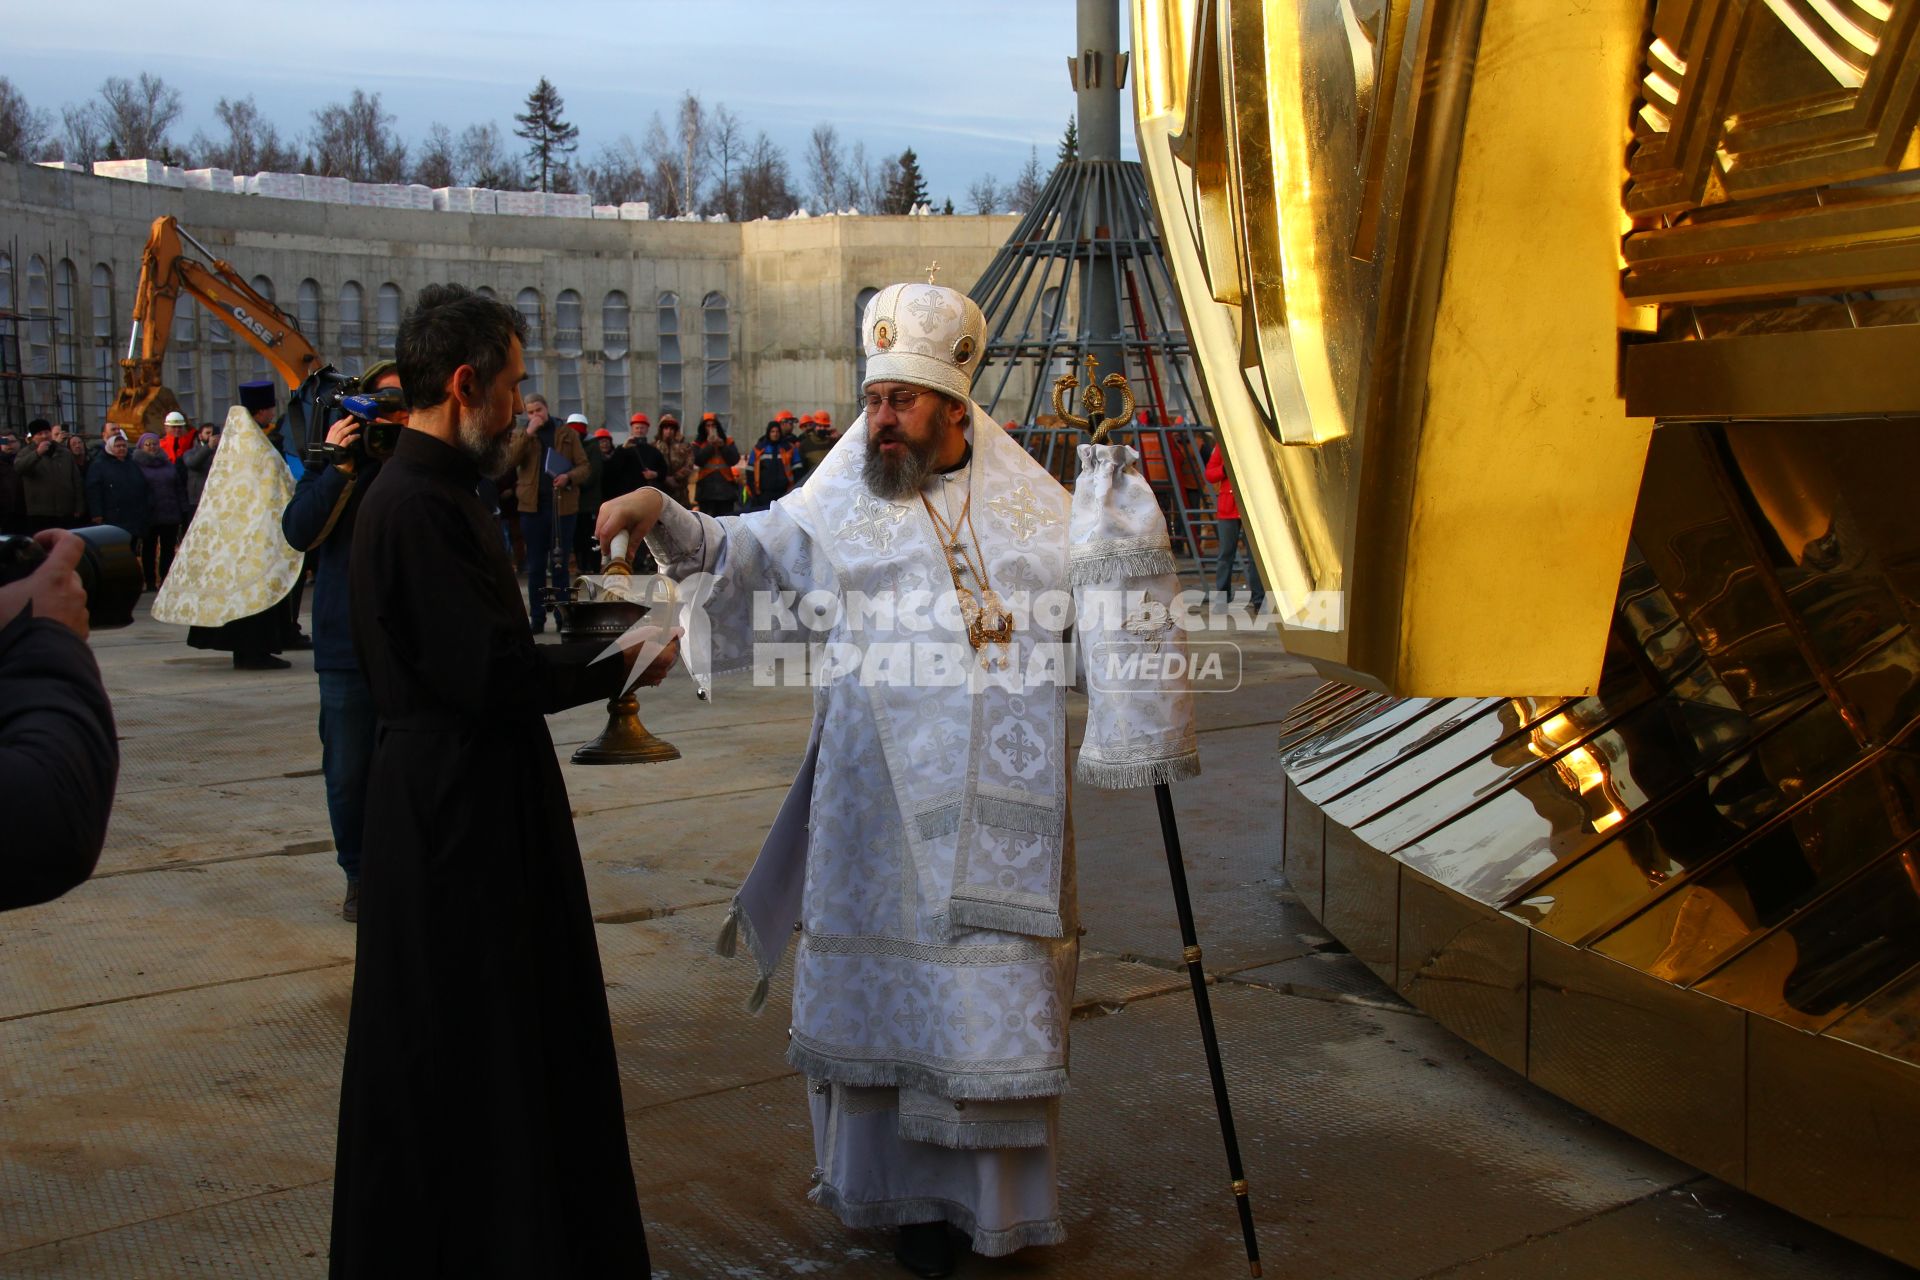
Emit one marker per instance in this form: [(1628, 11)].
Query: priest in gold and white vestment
[(923, 863)]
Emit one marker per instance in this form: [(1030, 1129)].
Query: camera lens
[(109, 571)]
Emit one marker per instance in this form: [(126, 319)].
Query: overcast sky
[(970, 86)]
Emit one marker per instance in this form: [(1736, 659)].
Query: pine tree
[(550, 139), (909, 190), (1069, 143)]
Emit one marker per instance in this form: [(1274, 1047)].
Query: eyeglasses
[(898, 401)]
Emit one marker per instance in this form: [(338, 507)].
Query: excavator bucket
[(143, 402)]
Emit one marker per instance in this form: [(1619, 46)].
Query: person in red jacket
[(180, 437), (1227, 525)]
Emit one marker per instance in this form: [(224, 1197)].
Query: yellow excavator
[(166, 272)]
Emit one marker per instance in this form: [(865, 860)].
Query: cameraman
[(320, 521), (58, 753)]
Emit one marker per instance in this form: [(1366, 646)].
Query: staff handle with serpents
[(1094, 400)]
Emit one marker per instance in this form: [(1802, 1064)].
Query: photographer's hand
[(343, 433), (54, 589)]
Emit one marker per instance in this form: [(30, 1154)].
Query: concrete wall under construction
[(740, 319)]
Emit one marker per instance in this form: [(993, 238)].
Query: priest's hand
[(633, 514)]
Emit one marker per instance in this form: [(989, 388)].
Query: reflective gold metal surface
[(1835, 1133), (1361, 903), (1305, 858), (1621, 774), (1343, 189), (1467, 965), (1666, 1064)]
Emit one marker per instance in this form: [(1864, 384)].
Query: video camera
[(329, 395)]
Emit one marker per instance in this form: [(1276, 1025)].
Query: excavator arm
[(165, 273)]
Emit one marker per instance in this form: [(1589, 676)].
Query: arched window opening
[(39, 318), (527, 302), (66, 336), (667, 312), (387, 317), (306, 309), (106, 363), (257, 368), (616, 321), (351, 335), (186, 337), (567, 321), (716, 350)]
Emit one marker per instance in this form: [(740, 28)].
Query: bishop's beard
[(901, 477), (487, 453)]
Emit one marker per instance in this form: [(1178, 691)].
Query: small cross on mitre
[(933, 270)]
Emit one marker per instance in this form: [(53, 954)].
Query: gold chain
[(988, 621)]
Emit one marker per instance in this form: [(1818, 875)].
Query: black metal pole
[(1183, 905)]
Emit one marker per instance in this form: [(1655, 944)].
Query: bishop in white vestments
[(923, 863)]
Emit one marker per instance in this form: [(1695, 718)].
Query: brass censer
[(593, 613)]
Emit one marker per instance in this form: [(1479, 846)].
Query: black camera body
[(328, 396), (108, 569)]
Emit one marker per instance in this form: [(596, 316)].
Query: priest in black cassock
[(481, 1127)]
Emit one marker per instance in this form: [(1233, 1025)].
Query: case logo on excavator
[(254, 327)]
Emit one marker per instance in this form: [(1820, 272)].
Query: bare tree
[(726, 153), (662, 159), (826, 168), (870, 185), (984, 195), (355, 139), (252, 145), (133, 117), (482, 159), (436, 160), (618, 173), (25, 133), (691, 137), (82, 141), (766, 189), (1025, 192)]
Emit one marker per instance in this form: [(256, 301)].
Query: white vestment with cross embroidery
[(923, 861)]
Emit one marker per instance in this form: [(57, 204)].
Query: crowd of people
[(561, 473), (149, 485)]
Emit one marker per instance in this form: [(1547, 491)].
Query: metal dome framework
[(1092, 233)]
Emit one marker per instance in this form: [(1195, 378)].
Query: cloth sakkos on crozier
[(1140, 712), (234, 561), (937, 928)]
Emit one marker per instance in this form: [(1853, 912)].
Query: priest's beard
[(487, 452), (901, 477)]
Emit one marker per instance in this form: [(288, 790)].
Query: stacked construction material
[(368, 195)]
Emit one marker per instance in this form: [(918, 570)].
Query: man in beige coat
[(549, 464)]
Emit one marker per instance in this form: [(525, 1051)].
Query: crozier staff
[(481, 1129)]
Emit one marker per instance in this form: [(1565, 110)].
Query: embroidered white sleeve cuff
[(685, 542)]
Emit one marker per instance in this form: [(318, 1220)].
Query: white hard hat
[(580, 418), (176, 419)]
